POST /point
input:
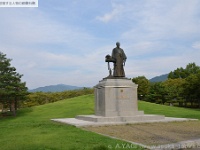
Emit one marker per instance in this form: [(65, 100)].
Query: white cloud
[(196, 45), (157, 20), (140, 48), (115, 13), (153, 67), (40, 29)]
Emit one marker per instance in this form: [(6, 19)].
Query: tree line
[(41, 98), (182, 87)]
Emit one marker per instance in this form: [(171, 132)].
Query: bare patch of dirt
[(152, 133)]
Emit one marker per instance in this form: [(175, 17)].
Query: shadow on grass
[(19, 113), (195, 109), (24, 111)]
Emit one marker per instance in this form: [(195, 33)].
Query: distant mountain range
[(159, 78), (55, 88), (63, 87)]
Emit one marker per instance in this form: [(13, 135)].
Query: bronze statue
[(118, 58)]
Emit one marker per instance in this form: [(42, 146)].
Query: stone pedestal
[(116, 101), (116, 97)]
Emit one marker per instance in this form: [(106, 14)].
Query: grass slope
[(169, 111), (33, 130)]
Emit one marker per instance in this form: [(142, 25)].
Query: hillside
[(33, 130), (159, 78), (55, 88)]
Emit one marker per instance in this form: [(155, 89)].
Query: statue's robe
[(119, 56)]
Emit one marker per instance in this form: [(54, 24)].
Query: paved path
[(79, 123)]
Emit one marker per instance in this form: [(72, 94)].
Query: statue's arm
[(113, 53), (124, 55)]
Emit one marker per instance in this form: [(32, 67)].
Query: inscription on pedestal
[(122, 94)]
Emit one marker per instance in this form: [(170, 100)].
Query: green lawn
[(33, 130), (169, 111)]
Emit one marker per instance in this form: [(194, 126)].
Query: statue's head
[(118, 44)]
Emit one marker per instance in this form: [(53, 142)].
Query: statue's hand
[(124, 61)]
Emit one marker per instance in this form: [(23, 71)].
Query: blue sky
[(66, 41)]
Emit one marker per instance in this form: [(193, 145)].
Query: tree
[(182, 86), (143, 86), (11, 88), (175, 90), (191, 85), (157, 93), (192, 88), (191, 68)]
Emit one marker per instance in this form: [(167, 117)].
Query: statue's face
[(118, 44)]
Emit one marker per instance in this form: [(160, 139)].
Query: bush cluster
[(40, 98)]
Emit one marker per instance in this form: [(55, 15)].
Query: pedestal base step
[(102, 119), (82, 123), (119, 113)]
